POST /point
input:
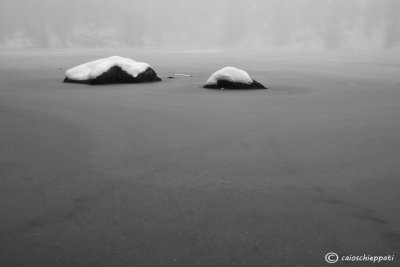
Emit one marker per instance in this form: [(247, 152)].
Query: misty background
[(327, 24)]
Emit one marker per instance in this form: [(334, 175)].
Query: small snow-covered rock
[(113, 69), (232, 78)]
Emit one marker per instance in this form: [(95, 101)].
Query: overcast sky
[(328, 24)]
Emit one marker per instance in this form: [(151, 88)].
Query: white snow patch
[(230, 74), (95, 68)]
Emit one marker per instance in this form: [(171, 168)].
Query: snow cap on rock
[(232, 78), (113, 69)]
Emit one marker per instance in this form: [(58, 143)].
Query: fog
[(309, 24)]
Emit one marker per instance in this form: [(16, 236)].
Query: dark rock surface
[(235, 85)]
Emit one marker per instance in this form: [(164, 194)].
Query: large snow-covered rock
[(111, 70), (232, 78)]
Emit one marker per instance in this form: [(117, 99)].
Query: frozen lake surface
[(171, 174)]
